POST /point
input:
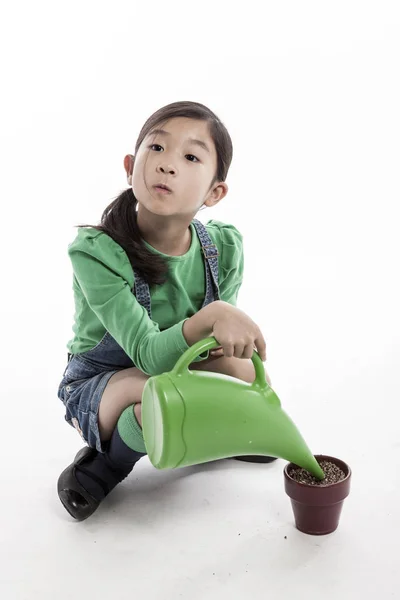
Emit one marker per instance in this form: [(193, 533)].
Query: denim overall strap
[(210, 253), (142, 292)]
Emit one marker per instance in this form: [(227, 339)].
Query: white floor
[(216, 531)]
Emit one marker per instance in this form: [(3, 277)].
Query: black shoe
[(255, 458), (77, 501), (92, 475)]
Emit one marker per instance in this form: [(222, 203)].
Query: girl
[(149, 282)]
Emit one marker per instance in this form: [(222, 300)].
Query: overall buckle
[(204, 248)]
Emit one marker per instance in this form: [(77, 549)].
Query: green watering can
[(192, 417)]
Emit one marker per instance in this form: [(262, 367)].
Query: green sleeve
[(231, 260), (105, 276)]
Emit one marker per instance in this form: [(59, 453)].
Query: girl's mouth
[(161, 190)]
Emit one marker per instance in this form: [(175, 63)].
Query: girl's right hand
[(237, 334)]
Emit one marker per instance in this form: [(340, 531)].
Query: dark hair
[(119, 218)]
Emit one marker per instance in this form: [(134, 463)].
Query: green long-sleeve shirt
[(102, 282)]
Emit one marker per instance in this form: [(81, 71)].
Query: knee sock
[(130, 431), (105, 470)]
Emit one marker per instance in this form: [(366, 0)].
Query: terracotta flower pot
[(317, 508)]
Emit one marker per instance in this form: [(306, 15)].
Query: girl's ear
[(217, 193), (129, 161)]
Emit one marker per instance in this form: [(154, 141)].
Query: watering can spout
[(282, 439), (191, 417)]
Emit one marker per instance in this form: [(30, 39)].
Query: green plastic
[(192, 417)]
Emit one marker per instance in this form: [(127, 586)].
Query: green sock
[(130, 431)]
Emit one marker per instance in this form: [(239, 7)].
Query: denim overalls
[(88, 373)]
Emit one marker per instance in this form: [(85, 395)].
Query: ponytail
[(119, 221)]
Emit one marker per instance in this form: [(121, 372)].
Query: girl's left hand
[(216, 352)]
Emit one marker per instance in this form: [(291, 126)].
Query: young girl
[(148, 283)]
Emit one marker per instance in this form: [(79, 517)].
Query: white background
[(309, 92)]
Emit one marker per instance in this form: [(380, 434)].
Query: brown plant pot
[(317, 508)]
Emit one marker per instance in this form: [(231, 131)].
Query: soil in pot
[(333, 474)]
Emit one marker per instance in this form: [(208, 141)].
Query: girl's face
[(181, 155)]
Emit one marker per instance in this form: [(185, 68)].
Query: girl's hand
[(217, 352), (237, 333)]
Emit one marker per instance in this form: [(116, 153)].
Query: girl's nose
[(166, 169)]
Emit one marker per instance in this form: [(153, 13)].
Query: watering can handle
[(208, 344)]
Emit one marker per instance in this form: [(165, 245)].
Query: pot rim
[(318, 487)]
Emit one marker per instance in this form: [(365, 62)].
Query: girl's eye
[(158, 145), (195, 158)]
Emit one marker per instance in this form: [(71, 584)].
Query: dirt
[(333, 474)]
